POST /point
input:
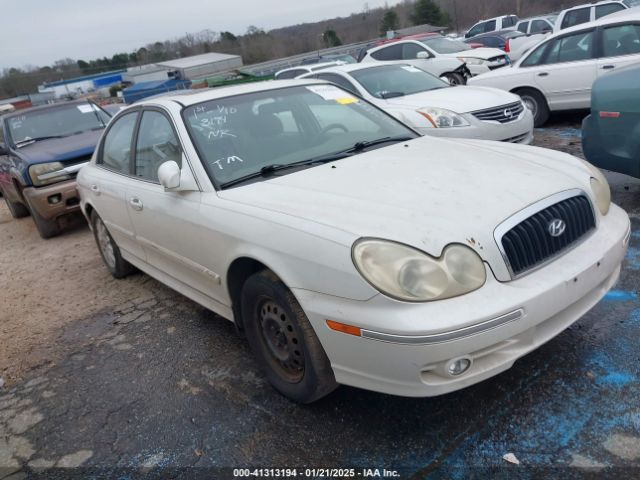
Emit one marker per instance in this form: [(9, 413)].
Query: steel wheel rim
[(531, 104), (105, 244), (281, 341)]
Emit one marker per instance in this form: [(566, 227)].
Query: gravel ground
[(125, 378)]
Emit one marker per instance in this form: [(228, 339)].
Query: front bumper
[(55, 200), (518, 131), (549, 300)]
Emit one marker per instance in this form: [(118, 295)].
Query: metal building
[(198, 66)]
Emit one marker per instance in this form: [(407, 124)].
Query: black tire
[(283, 341), (109, 251), (535, 101), (17, 210), (46, 228), (455, 78)]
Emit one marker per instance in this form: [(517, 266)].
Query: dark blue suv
[(41, 151)]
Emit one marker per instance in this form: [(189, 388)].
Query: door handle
[(608, 67), (135, 203), (95, 189), (543, 74)]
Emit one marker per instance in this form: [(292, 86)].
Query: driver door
[(167, 224)]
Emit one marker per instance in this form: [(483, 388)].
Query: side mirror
[(169, 175), (175, 179), (423, 55)]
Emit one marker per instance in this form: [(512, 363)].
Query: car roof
[(594, 4), (498, 33), (354, 67), (309, 66), (199, 96)]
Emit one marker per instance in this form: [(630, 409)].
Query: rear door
[(109, 181), (567, 71), (620, 46)]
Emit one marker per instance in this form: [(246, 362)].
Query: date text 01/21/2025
[(315, 472)]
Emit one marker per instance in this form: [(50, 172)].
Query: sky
[(39, 32)]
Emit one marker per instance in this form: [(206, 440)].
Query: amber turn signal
[(341, 327)]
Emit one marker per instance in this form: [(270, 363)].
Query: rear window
[(538, 26)]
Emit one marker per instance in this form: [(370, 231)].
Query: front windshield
[(240, 135), (445, 45), (60, 121), (396, 80)]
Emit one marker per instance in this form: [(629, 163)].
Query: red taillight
[(507, 47), (609, 114)]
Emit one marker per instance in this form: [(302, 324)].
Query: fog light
[(53, 199), (458, 367)]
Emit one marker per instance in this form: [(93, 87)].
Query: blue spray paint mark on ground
[(620, 295)]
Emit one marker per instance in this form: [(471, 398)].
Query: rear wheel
[(283, 341), (109, 251), (455, 78), (537, 104)]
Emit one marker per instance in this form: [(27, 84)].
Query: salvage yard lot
[(130, 376)]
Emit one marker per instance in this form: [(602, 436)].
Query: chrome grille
[(531, 242), (503, 114)]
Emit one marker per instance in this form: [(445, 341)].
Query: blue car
[(611, 134), (41, 151)]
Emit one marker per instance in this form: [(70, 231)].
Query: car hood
[(61, 149), (460, 99), (428, 192), (483, 53)]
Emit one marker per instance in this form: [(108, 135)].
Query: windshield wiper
[(267, 170), (386, 95), (29, 141)]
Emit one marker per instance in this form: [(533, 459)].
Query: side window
[(522, 27), (509, 21), (572, 48), (476, 30), (2, 133), (410, 51), (576, 17), (157, 143), (538, 26), (394, 52), (338, 80), (621, 40), (603, 10), (490, 26), (535, 58), (493, 42), (116, 150)]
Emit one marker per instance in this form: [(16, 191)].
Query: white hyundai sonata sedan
[(346, 248)]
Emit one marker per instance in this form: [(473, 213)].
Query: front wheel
[(455, 78), (283, 341), (109, 251), (47, 227), (537, 104)]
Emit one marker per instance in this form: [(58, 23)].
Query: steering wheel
[(328, 128)]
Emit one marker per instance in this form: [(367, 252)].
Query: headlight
[(441, 118), (46, 173), (600, 188), (472, 61), (405, 273)]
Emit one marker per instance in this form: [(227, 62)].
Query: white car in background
[(421, 51), (589, 12), (558, 73), (504, 22), (536, 25), (346, 247), (293, 72), (431, 106)]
